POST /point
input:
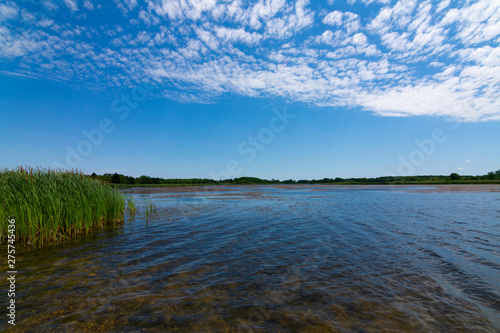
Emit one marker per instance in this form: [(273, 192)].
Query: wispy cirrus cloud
[(393, 58)]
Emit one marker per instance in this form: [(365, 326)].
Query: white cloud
[(367, 2), (333, 18), (179, 9), (410, 58), (148, 18), (468, 161), (284, 27), (442, 5), (8, 10), (71, 4), (88, 4), (449, 98), (359, 39), (16, 46), (237, 35), (436, 64), (478, 23), (264, 10), (344, 20), (486, 55), (131, 4), (210, 40)]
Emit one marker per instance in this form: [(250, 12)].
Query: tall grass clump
[(51, 205)]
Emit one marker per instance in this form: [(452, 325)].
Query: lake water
[(277, 259)]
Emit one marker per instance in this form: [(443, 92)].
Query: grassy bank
[(49, 206)]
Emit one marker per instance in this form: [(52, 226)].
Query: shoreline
[(428, 188)]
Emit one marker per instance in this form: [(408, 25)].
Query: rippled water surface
[(276, 259)]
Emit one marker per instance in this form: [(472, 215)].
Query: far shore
[(418, 188)]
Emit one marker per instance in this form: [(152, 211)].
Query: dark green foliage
[(250, 181), (144, 180), (156, 181), (116, 178)]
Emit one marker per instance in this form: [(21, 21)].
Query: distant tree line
[(117, 178)]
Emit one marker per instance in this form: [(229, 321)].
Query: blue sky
[(272, 89)]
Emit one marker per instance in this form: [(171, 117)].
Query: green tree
[(454, 176), (115, 178), (145, 180)]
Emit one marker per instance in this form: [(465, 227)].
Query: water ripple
[(278, 260)]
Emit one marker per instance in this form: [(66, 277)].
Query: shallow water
[(310, 258)]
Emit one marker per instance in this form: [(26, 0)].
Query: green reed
[(132, 209), (52, 205), (149, 210)]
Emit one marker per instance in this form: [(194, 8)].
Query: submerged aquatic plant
[(51, 205)]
